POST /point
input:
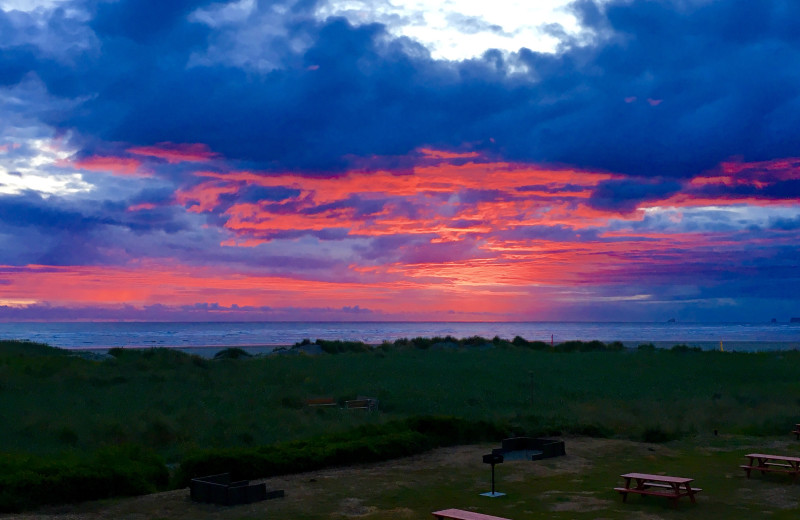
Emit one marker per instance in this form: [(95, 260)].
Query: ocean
[(264, 336)]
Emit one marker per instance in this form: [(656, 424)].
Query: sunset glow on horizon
[(332, 170)]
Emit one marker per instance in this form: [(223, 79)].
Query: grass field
[(52, 403), (578, 486)]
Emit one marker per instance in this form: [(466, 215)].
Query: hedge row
[(422, 343), (28, 481), (370, 443)]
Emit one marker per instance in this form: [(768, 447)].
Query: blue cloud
[(705, 86), (625, 194)]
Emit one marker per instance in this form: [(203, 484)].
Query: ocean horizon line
[(102, 334)]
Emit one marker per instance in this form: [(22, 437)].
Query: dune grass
[(177, 405)]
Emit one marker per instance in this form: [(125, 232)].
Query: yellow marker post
[(720, 346)]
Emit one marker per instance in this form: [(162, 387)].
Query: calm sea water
[(735, 336)]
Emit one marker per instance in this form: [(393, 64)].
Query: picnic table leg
[(690, 493), (627, 486)]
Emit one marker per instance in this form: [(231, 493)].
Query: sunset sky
[(463, 160)]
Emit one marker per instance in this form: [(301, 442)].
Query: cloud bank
[(243, 153)]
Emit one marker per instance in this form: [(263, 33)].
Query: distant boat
[(794, 320), (671, 320)]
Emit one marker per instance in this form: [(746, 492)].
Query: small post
[(551, 340)]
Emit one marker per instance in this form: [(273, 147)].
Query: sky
[(359, 160)]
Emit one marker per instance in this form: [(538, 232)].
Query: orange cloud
[(441, 154), (176, 285), (204, 197), (527, 195)]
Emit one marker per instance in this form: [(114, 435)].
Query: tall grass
[(177, 403), (54, 404)]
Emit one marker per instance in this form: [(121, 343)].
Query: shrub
[(232, 353), (367, 443), (475, 341), (683, 348), (25, 348), (658, 435), (588, 346), (29, 481), (338, 346), (519, 341)]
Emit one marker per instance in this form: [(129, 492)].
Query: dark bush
[(683, 348), (585, 346), (615, 346), (646, 347), (339, 347), (27, 481), (24, 348), (232, 353), (368, 443), (475, 341), (658, 435), (519, 341)]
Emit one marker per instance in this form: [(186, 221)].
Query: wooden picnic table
[(774, 463), (460, 514), (657, 485)]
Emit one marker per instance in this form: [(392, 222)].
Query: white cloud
[(33, 169), (461, 29), (30, 5), (716, 218)]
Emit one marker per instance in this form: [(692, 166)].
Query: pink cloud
[(176, 152), (123, 166), (141, 207)]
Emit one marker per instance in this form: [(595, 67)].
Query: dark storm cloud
[(32, 211), (625, 194), (51, 231), (667, 89), (779, 190), (142, 20)]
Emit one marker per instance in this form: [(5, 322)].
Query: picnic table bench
[(672, 488), (362, 403), (321, 401), (796, 431), (773, 463), (459, 514)]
